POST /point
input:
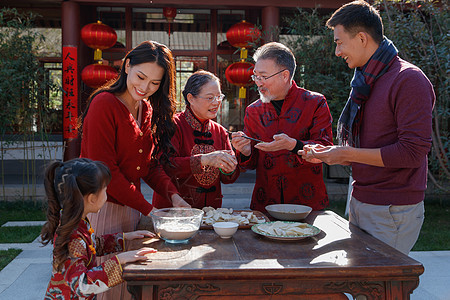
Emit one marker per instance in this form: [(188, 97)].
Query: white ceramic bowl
[(225, 229), (288, 212), (176, 224)]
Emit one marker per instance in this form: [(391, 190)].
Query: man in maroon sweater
[(384, 130)]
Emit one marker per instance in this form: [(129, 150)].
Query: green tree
[(318, 68), (420, 31), (23, 87)]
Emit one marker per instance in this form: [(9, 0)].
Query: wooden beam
[(221, 3)]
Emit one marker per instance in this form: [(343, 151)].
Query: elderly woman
[(203, 156)]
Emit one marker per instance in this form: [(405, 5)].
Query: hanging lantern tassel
[(97, 54), (242, 92), (243, 54)]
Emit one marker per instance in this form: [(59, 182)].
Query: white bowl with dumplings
[(225, 229), (288, 212)]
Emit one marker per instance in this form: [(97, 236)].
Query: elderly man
[(384, 129), (285, 118)]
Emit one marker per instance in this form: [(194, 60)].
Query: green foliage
[(420, 31), (19, 234), (318, 68), (20, 210), (24, 83), (6, 256), (436, 227)]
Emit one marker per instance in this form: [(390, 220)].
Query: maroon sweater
[(397, 119)]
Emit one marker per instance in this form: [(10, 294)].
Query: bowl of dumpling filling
[(176, 224)]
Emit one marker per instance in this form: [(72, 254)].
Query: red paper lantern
[(239, 73), (241, 34), (169, 13), (96, 75), (98, 36)]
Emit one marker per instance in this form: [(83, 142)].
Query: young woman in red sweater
[(127, 124)]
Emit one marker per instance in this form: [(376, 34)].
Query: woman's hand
[(177, 201), (224, 159), (241, 144), (138, 234), (135, 255)]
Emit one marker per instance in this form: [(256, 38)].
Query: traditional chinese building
[(195, 30)]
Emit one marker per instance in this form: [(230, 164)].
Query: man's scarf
[(349, 123)]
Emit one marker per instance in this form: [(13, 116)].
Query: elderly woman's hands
[(223, 159)]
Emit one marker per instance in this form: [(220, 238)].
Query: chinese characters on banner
[(70, 92)]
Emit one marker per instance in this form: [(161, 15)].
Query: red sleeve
[(181, 164), (158, 180), (321, 130), (85, 282), (227, 146), (109, 243)]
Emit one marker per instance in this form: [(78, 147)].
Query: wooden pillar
[(212, 63), (70, 24), (128, 28), (270, 23)]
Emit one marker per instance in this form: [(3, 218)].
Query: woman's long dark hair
[(66, 183), (162, 101)]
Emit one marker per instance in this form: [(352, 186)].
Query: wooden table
[(340, 259)]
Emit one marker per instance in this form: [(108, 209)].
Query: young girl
[(74, 189)]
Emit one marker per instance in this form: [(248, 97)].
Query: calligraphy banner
[(70, 92)]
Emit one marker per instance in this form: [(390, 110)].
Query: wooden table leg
[(139, 292)]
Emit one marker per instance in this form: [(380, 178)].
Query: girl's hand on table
[(138, 234), (135, 255)]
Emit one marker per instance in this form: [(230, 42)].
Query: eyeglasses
[(211, 99), (264, 78)]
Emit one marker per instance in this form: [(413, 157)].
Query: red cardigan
[(111, 135)]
